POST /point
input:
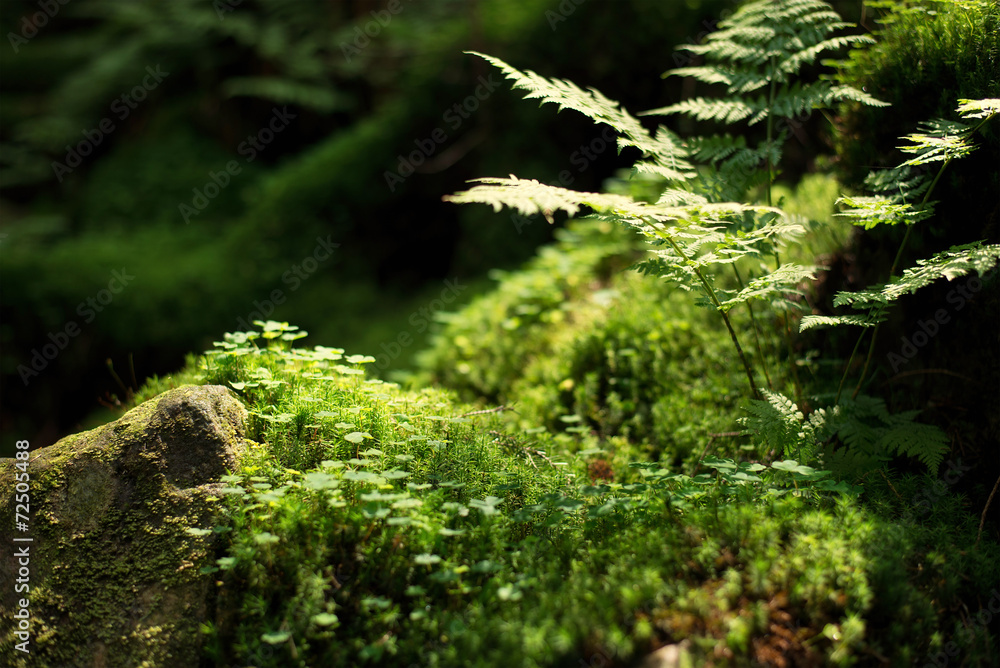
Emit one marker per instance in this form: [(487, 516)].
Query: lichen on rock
[(115, 577)]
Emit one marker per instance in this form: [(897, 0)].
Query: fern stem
[(718, 307), (756, 333), (892, 272), (850, 360), (770, 130), (788, 342), (868, 361)]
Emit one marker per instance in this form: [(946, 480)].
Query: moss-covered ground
[(596, 503)]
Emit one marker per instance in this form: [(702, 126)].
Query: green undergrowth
[(571, 342), (371, 525)]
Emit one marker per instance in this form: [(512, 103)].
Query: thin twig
[(915, 372), (890, 485), (982, 519), (540, 453), (498, 409), (530, 460)]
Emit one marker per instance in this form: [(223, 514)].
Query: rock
[(115, 577), (669, 656)]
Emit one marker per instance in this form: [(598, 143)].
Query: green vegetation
[(698, 235), (373, 525), (225, 68), (656, 432)]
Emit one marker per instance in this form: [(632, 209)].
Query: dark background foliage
[(359, 103)]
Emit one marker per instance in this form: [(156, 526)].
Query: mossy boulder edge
[(115, 574)]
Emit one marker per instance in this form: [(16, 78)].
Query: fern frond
[(871, 299), (869, 212), (873, 435), (951, 264), (940, 141), (716, 148), (666, 148), (979, 109), (676, 197), (777, 421), (529, 197), (778, 283), (806, 56), (815, 321), (702, 109), (899, 184), (924, 442), (286, 91)]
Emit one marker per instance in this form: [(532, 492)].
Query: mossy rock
[(115, 574)]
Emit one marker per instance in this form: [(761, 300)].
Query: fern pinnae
[(665, 149), (940, 142)]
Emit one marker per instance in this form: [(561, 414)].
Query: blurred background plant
[(365, 86)]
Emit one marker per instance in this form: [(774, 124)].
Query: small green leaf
[(266, 538), (426, 559), (325, 619), (276, 638)]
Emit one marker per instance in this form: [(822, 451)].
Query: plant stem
[(770, 127), (892, 272), (756, 333), (788, 342), (718, 306), (843, 378)]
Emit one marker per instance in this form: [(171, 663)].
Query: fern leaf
[(702, 109), (809, 54), (924, 442), (675, 197), (979, 109), (666, 148), (777, 420), (815, 321), (716, 148), (782, 281), (869, 212), (529, 197), (940, 141), (951, 264)]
